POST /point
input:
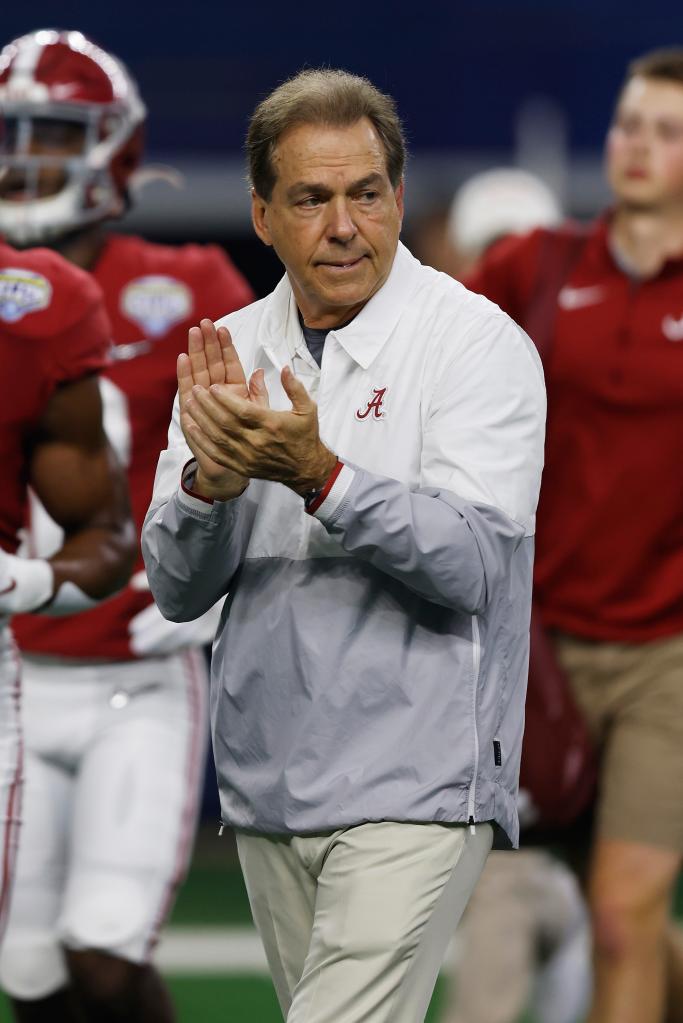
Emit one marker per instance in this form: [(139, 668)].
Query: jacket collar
[(364, 337)]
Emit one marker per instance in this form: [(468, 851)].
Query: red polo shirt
[(609, 542)]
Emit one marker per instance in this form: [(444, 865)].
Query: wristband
[(28, 583)]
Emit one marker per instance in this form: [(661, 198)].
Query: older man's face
[(333, 218)]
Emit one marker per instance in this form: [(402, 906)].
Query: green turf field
[(226, 988), (239, 999), (217, 998)]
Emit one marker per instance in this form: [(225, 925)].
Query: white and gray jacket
[(371, 660)]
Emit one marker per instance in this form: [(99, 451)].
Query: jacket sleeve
[(451, 538), (191, 547)]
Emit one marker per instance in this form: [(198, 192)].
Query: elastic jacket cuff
[(325, 502), (189, 497)]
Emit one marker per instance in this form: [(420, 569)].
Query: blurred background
[(478, 83), (529, 83)]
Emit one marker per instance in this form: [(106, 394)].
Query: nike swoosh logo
[(577, 298), (8, 589)]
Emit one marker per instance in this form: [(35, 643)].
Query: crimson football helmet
[(71, 135)]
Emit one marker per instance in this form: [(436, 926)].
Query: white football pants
[(115, 757), (10, 765)]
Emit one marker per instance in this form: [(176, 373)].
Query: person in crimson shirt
[(115, 697), (533, 894), (54, 338), (609, 539)]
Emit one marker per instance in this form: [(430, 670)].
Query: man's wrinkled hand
[(211, 359), (243, 435)]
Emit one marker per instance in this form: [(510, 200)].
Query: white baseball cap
[(497, 202)]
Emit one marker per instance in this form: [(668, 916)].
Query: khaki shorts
[(632, 698)]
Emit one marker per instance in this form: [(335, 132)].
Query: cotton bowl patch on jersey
[(21, 292), (156, 303)]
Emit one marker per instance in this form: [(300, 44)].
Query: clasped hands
[(231, 430)]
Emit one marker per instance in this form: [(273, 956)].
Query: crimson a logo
[(375, 406)]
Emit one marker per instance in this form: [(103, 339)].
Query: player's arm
[(76, 476)]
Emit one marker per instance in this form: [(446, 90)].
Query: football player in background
[(54, 338), (115, 697)]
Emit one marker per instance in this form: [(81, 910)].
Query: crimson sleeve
[(222, 289), (83, 347)]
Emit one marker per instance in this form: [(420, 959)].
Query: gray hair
[(321, 96)]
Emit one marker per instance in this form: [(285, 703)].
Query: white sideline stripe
[(202, 950), (211, 950)]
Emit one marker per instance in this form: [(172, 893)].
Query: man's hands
[(211, 359), (231, 429)]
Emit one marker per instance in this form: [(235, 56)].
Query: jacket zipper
[(476, 663)]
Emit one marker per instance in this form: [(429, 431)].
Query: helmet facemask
[(58, 169), (71, 131)]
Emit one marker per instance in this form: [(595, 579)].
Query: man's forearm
[(95, 562), (448, 550), (192, 547), (90, 566)]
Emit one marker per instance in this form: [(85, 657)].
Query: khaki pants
[(355, 923)]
